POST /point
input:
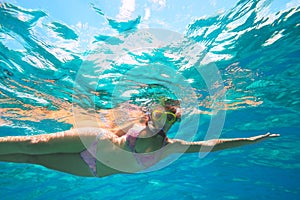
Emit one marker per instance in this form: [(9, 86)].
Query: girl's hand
[(260, 138)]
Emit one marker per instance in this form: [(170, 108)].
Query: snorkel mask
[(159, 116)]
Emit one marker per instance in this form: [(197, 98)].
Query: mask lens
[(157, 115), (171, 117)]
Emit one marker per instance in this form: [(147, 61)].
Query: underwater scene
[(234, 65)]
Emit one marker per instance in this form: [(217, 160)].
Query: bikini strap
[(132, 136)]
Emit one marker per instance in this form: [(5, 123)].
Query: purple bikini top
[(144, 159)]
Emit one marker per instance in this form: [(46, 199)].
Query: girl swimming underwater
[(132, 147)]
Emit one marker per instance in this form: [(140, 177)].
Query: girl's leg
[(66, 162), (62, 142)]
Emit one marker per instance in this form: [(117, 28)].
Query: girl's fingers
[(274, 135)]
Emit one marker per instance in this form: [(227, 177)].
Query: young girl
[(119, 148)]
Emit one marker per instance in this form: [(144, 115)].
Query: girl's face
[(162, 119)]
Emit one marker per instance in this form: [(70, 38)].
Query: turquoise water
[(48, 67)]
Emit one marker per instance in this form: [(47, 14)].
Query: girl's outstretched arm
[(62, 142), (181, 146)]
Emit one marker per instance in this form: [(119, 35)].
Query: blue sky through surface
[(174, 15)]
